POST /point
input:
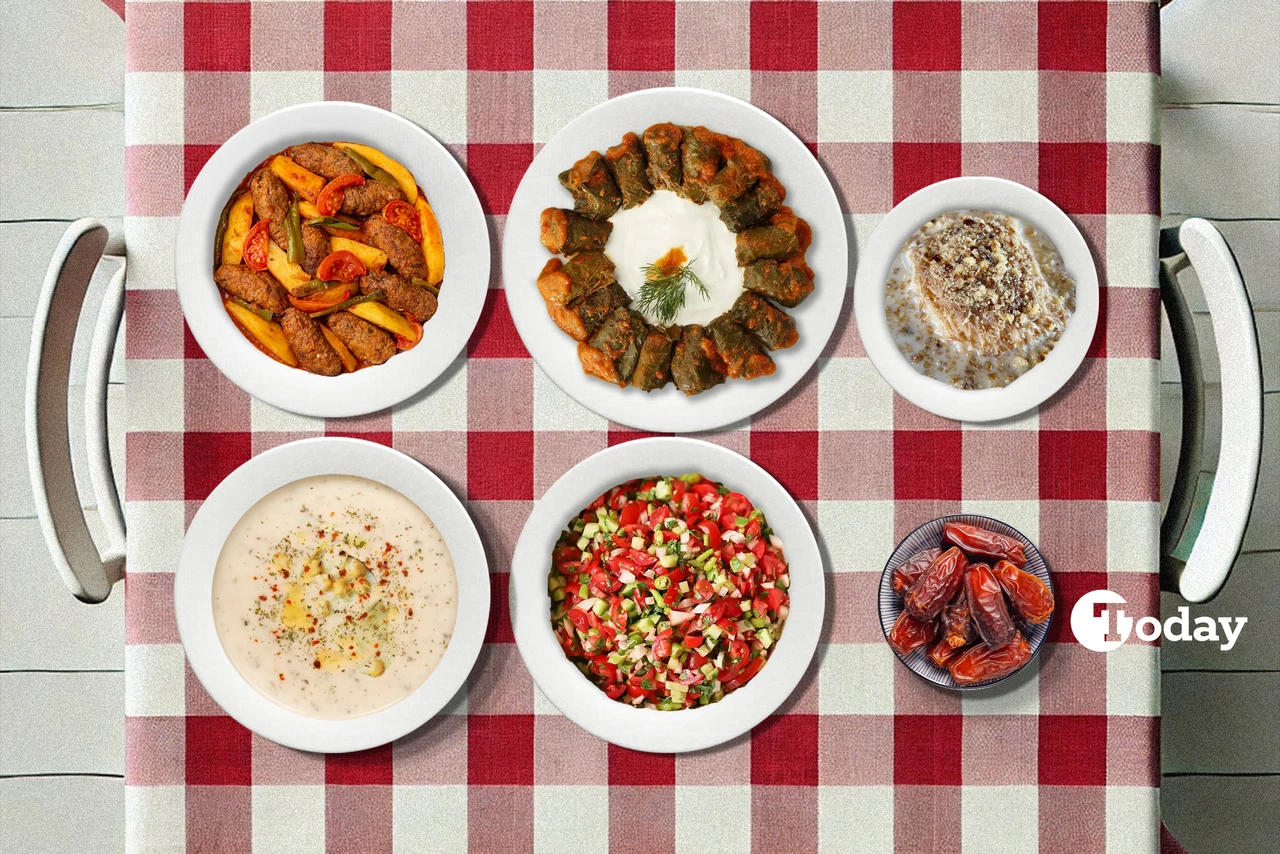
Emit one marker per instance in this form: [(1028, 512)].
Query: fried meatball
[(308, 344), (271, 202), (403, 252), (368, 198), (402, 294), (316, 242), (324, 160), (368, 342), (257, 288)]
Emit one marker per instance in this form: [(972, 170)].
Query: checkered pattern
[(865, 757)]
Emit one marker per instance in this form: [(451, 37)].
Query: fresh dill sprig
[(662, 294)]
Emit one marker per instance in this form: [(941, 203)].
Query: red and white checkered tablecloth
[(865, 756)]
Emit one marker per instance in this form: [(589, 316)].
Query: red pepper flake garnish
[(281, 677), (410, 612), (284, 573), (316, 664), (263, 598), (368, 527), (387, 549)]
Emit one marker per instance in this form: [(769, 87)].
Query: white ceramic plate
[(466, 244), (649, 729), (975, 193), (193, 592), (809, 194)]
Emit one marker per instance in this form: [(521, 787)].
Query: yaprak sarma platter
[(693, 263)]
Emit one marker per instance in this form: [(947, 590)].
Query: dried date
[(980, 663), (986, 602), (906, 573), (941, 653), (937, 586), (1030, 596), (979, 541), (957, 620), (909, 634)]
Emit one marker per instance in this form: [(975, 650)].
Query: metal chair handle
[(87, 573), (1207, 515)]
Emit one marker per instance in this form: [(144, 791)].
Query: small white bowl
[(974, 193), (462, 294), (193, 592), (649, 729)]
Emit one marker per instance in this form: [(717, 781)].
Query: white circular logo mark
[(1091, 620)]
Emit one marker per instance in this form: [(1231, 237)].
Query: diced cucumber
[(617, 658), (644, 625), (758, 622), (766, 639), (669, 560), (601, 607), (691, 478), (637, 543), (628, 588), (591, 529), (744, 606), (583, 542), (557, 595), (740, 521), (684, 587), (582, 591), (662, 490)]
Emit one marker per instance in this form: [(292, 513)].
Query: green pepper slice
[(377, 173), (265, 314), (330, 222), (423, 283), (347, 303), (293, 227)]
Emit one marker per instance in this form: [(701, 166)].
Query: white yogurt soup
[(335, 596), (645, 234)]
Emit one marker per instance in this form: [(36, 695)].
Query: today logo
[(1091, 622)]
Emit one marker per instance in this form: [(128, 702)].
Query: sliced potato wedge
[(388, 318), (305, 183), (285, 271), (372, 257), (349, 363), (402, 175), (265, 332), (239, 221), (307, 209), (432, 242)]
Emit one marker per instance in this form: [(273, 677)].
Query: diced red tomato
[(712, 531), (703, 590), (630, 514)]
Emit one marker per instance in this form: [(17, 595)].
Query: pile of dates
[(970, 613)]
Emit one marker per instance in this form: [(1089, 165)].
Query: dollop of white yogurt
[(644, 234)]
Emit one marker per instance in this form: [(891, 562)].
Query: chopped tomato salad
[(669, 592)]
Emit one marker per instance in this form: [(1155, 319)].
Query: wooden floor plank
[(1256, 245), (1220, 162), (90, 165), (1251, 591), (1221, 815), (61, 815), (1263, 534), (61, 52), (62, 723), (1202, 48), (41, 625), (15, 485), (1219, 723)]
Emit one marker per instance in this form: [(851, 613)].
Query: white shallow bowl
[(809, 194), (193, 592), (462, 225), (649, 729), (974, 193)]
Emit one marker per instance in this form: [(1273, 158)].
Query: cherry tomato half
[(404, 216), (330, 200), (322, 300), (255, 246), (341, 266), (630, 514), (403, 343)]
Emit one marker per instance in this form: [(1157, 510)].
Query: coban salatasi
[(335, 596), (669, 592)]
